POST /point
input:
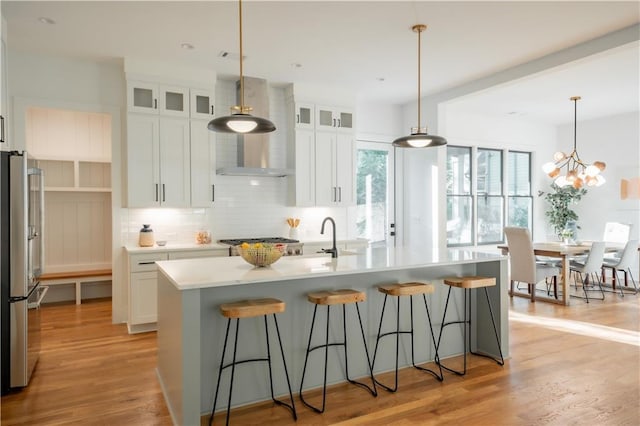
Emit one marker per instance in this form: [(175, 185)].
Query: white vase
[(293, 233)]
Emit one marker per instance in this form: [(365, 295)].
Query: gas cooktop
[(273, 240)]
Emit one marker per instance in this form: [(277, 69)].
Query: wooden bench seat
[(77, 278)]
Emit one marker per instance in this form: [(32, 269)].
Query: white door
[(375, 199)]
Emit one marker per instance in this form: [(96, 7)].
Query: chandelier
[(570, 170)]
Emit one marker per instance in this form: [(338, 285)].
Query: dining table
[(564, 252)]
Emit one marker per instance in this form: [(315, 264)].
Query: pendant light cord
[(419, 30), (241, 56)]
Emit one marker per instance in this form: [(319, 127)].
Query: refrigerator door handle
[(34, 171)]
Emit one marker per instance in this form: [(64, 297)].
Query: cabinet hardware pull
[(339, 122), (211, 109), (340, 194), (213, 193), (297, 118), (334, 122), (147, 263), (163, 193), (334, 194), (156, 192), (1, 129), (155, 104)]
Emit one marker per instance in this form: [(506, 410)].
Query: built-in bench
[(76, 277)]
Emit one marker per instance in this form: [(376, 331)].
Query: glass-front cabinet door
[(335, 118), (304, 116), (202, 104), (143, 97), (174, 101)]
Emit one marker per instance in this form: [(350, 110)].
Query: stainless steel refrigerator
[(21, 264)]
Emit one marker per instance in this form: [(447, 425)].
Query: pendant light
[(578, 173), (240, 120), (419, 137)]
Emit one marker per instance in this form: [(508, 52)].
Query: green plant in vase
[(559, 199)]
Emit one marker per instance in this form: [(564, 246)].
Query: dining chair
[(627, 259), (589, 269), (524, 267)]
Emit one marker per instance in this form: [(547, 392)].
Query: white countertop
[(171, 247), (225, 271)]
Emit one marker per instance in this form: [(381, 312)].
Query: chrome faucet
[(333, 250)]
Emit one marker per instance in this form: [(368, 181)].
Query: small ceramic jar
[(146, 238)]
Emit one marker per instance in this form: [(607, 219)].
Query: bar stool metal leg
[(397, 333), (466, 322), (234, 362), (326, 346), (292, 406), (224, 351)]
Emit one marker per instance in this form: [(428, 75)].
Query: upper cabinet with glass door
[(304, 116), (202, 104), (153, 98), (334, 118)]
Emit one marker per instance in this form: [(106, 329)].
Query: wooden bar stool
[(249, 309), (328, 298), (400, 290), (468, 284)]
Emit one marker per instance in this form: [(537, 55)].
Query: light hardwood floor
[(569, 365)]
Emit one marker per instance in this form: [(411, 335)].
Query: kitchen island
[(191, 329)]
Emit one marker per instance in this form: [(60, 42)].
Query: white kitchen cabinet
[(335, 168), (303, 183), (334, 118), (203, 164), (158, 161), (322, 150), (304, 116), (143, 284), (143, 291), (202, 104), (154, 98)]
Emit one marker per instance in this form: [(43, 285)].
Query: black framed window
[(520, 199), (490, 197)]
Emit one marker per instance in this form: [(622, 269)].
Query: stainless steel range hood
[(253, 149)]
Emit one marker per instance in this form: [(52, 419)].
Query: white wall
[(378, 122), (616, 141)]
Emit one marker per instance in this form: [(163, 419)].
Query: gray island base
[(191, 329)]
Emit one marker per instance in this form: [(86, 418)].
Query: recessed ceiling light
[(187, 46), (296, 65), (45, 20), (380, 78)]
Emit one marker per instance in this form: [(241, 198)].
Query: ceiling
[(366, 46)]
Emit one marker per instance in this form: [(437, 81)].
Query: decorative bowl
[(261, 254)]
